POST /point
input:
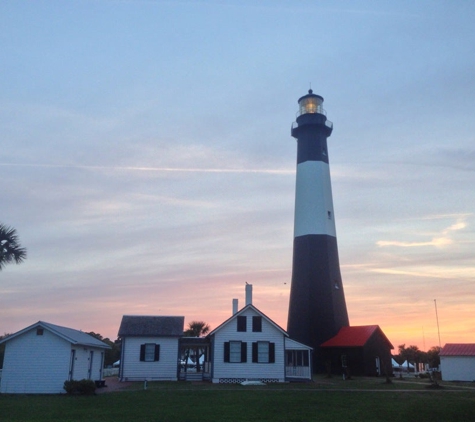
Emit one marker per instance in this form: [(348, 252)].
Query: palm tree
[(196, 329), (10, 249)]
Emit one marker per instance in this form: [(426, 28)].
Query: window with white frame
[(149, 352), (234, 351), (263, 351)]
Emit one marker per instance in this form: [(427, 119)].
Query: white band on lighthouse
[(313, 200)]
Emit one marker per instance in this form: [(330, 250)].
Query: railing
[(311, 109), (327, 124), (297, 371)]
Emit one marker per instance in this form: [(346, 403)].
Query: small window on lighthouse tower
[(329, 215)]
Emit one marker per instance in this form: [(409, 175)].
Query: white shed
[(457, 362), (39, 358)]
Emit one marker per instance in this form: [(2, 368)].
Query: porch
[(298, 358), (194, 363)]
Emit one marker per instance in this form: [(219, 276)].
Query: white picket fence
[(110, 372)]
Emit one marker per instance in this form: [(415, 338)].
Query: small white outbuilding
[(39, 358), (457, 362)]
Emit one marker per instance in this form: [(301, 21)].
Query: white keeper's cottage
[(39, 358), (249, 346)]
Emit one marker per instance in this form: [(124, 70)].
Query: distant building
[(41, 357), (457, 362)]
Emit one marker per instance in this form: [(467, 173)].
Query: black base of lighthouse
[(317, 307)]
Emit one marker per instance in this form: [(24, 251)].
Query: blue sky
[(147, 165)]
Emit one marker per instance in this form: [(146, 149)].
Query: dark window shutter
[(254, 352), (226, 351), (257, 324), (305, 358), (271, 352), (241, 323), (157, 352), (142, 352), (243, 352)]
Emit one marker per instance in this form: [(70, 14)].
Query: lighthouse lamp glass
[(311, 105)]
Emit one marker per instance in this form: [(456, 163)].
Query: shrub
[(84, 387)]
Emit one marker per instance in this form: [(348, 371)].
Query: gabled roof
[(68, 334), (250, 306), (458, 349), (355, 336), (151, 326)]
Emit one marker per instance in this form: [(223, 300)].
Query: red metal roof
[(354, 336), (458, 349)]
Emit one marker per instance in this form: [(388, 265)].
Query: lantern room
[(311, 103)]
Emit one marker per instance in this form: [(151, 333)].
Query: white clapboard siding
[(35, 364), (457, 368), (248, 370), (135, 370)]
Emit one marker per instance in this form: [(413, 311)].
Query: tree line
[(414, 355)]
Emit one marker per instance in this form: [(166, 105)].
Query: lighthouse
[(317, 308)]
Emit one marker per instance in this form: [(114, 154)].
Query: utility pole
[(437, 318)]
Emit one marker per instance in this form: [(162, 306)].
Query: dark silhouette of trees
[(433, 358), (10, 249), (111, 355), (411, 354)]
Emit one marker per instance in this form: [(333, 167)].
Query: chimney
[(235, 306), (248, 294)]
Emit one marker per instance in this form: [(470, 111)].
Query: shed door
[(102, 365), (378, 365), (71, 364), (89, 369)]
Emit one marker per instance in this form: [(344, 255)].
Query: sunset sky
[(147, 165)]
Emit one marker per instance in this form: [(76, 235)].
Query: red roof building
[(361, 350)]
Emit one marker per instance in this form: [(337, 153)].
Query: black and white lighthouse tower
[(317, 308)]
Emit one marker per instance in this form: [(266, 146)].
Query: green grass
[(325, 400)]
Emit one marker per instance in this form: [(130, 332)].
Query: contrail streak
[(153, 169)]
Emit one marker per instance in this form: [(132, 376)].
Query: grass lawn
[(325, 400)]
